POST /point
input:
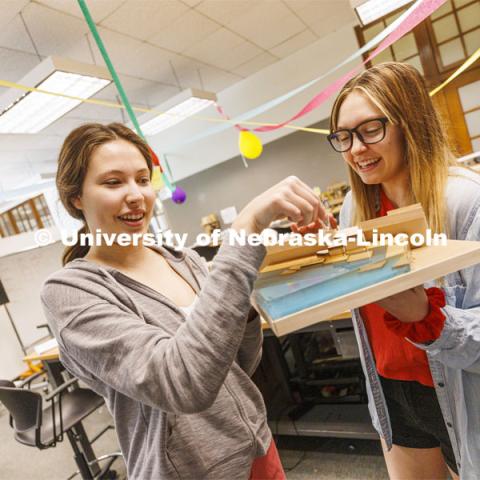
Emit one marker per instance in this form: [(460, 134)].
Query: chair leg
[(80, 460), (105, 472), (86, 448)]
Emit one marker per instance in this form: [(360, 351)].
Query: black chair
[(43, 428)]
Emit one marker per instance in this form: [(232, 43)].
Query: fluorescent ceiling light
[(370, 10), (33, 111), (184, 105)]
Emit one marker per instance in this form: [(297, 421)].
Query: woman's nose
[(357, 145), (134, 195)]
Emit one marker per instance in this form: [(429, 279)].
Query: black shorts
[(416, 417)]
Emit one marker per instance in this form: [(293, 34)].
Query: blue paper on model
[(281, 295)]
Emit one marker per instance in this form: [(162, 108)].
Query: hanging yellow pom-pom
[(250, 145), (157, 180)]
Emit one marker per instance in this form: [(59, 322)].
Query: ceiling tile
[(80, 51), (152, 63), (14, 65), (191, 3), (212, 47), (185, 32), (237, 55), (62, 31), (99, 9), (15, 36), (186, 71), (325, 26), (223, 11), (144, 18), (268, 24), (294, 44), (254, 65), (120, 48), (323, 17), (215, 80), (134, 57), (309, 8), (9, 9)]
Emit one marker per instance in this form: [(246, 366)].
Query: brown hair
[(400, 92), (73, 160)]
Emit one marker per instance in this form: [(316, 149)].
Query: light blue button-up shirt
[(454, 358)]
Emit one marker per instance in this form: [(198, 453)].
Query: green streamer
[(165, 160), (114, 75)]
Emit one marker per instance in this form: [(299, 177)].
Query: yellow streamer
[(472, 59), (106, 103)]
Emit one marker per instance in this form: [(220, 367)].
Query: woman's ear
[(77, 203)]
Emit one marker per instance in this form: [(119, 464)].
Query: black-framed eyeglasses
[(368, 132)]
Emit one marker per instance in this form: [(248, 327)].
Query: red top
[(396, 358)]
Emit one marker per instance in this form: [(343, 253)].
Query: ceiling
[(159, 47)]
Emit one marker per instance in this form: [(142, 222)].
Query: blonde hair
[(73, 162), (400, 92)]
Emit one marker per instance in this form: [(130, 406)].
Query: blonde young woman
[(420, 349), (169, 346)]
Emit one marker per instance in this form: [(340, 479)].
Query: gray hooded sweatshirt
[(179, 388)]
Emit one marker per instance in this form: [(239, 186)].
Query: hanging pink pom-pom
[(179, 195)]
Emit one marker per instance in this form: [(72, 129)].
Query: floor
[(303, 457), (331, 459)]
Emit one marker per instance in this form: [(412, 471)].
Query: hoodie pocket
[(198, 442)]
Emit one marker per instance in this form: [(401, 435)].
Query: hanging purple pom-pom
[(179, 195)]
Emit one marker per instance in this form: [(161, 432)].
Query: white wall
[(23, 270)]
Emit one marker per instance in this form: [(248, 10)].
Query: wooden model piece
[(408, 220), (291, 274)]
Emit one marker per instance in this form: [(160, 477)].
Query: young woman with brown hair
[(169, 346), (420, 349)]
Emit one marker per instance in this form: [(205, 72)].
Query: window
[(456, 32), (25, 217), (470, 101), (437, 47), (404, 50)]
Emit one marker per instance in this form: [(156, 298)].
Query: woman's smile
[(133, 219)]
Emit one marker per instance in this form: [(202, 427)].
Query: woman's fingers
[(315, 226), (291, 197), (303, 190), (306, 207), (289, 209), (333, 221)]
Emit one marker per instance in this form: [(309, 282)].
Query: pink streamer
[(226, 117), (423, 11)]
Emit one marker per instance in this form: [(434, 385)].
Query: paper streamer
[(243, 118), (470, 61), (116, 79), (227, 123), (420, 13), (109, 104)]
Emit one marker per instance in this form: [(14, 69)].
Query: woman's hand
[(315, 226), (290, 198), (408, 306)]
